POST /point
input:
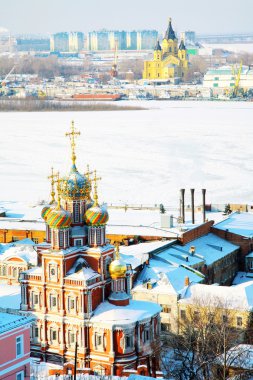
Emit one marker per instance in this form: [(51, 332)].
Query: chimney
[(192, 202), (182, 191), (204, 204), (186, 281), (192, 250)]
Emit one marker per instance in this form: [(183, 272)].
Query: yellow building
[(170, 60)]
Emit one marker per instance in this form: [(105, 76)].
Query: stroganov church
[(79, 292)]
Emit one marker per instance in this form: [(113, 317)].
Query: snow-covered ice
[(143, 156)]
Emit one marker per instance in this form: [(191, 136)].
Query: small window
[(98, 340), (166, 309), (129, 341), (20, 375), (54, 335), (36, 332), (71, 338), (19, 346), (239, 321), (215, 85), (78, 242), (35, 299), (71, 304), (36, 240), (146, 336)]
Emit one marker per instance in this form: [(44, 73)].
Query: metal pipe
[(204, 204), (192, 203), (182, 213)]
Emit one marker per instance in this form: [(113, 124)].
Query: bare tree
[(206, 332)]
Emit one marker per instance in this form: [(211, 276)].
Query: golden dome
[(117, 268)]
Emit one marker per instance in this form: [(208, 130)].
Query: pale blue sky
[(203, 16)]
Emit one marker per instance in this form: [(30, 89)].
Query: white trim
[(19, 364)]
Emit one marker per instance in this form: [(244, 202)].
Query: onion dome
[(117, 268), (96, 216), (59, 218), (45, 212), (75, 185)]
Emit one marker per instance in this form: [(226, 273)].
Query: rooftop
[(237, 223), (110, 315), (11, 321)]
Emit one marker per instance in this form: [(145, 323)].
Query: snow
[(143, 156), (240, 356), (11, 321), (109, 314), (10, 296), (236, 297), (242, 277), (238, 223), (83, 273), (166, 279), (25, 252)]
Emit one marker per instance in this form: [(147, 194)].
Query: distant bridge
[(225, 38)]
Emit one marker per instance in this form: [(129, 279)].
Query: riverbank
[(39, 105)]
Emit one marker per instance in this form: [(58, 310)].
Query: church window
[(53, 335), (78, 242), (98, 341), (71, 337), (239, 321), (61, 239), (35, 299), (76, 212), (170, 50), (71, 303), (4, 270), (146, 336), (53, 301), (14, 273)]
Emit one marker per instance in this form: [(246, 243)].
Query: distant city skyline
[(46, 17)]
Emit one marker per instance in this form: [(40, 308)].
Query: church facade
[(79, 292), (169, 61)]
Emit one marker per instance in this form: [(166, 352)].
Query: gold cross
[(52, 177), (117, 254), (88, 173), (95, 179), (58, 181), (72, 135)]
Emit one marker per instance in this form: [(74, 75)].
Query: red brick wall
[(195, 233)]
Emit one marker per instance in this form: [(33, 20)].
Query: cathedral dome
[(96, 216), (59, 218), (75, 185), (46, 211), (117, 269)]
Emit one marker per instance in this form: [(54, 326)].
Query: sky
[(202, 16)]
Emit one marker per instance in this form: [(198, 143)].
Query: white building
[(225, 78)]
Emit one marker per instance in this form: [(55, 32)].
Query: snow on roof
[(237, 223), (139, 231), (165, 278), (237, 297), (242, 277), (11, 321), (109, 314), (10, 296), (137, 254), (24, 252), (208, 249), (26, 241), (81, 271), (20, 224), (211, 248), (240, 356), (77, 231)]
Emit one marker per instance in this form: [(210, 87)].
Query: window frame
[(20, 344)]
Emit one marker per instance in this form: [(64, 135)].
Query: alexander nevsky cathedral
[(79, 294)]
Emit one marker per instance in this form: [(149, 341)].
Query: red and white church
[(79, 293)]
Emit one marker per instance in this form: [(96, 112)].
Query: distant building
[(7, 42), (170, 60), (59, 42), (146, 39), (189, 37), (225, 78), (29, 43), (132, 40), (14, 347), (76, 41)]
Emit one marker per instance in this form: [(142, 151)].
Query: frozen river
[(143, 156)]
